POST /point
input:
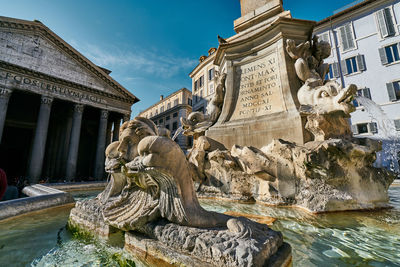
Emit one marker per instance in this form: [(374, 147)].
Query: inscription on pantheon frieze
[(259, 86), (47, 87)]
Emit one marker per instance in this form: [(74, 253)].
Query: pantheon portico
[(57, 108)]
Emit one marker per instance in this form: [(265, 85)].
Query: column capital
[(5, 92), (46, 100), (104, 114), (78, 108), (126, 117)]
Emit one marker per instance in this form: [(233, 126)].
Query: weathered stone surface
[(320, 176), (239, 245), (151, 192)]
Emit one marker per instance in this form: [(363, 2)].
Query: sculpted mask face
[(130, 135)]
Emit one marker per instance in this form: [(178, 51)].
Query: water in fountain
[(386, 131), (177, 133)]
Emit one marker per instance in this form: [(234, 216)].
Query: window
[(324, 37), (168, 105), (362, 128), (151, 114), (385, 22), (167, 126), (211, 89), (189, 101), (201, 81), (196, 85), (175, 115), (160, 121), (162, 109), (397, 124), (176, 102), (346, 37), (393, 90), (362, 92), (174, 126), (333, 71), (389, 54), (167, 118), (211, 74), (353, 64)]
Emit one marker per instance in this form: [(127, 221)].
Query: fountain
[(291, 145), (391, 145)]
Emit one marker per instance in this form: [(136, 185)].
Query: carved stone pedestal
[(326, 126), (161, 243)]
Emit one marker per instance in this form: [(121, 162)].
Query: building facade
[(203, 87), (365, 41), (57, 108), (167, 112)]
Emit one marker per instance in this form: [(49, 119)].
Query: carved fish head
[(192, 122), (328, 98)]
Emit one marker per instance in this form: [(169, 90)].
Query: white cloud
[(150, 62)]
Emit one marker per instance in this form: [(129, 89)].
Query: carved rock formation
[(151, 193), (331, 175)]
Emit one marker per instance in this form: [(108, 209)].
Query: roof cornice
[(37, 26), (166, 98), (202, 64), (349, 12)]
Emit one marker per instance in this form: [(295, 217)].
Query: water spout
[(177, 133), (386, 132)]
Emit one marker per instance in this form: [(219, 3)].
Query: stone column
[(101, 146), (4, 97), (117, 123), (74, 142), (108, 133), (39, 141), (126, 117)]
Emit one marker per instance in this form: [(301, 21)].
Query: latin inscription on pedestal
[(259, 86)]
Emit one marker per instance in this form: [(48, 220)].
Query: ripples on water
[(364, 238), (369, 238)]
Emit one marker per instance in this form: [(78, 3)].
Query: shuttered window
[(390, 53), (393, 90), (335, 69), (324, 37), (364, 92), (346, 37), (385, 22), (364, 128), (353, 64), (373, 127), (397, 125)]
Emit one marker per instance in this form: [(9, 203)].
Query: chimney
[(161, 97)]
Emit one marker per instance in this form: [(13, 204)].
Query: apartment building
[(167, 112)]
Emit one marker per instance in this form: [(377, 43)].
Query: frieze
[(47, 87)]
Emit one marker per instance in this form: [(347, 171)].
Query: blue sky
[(150, 46)]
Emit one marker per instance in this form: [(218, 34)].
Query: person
[(10, 191), (3, 183)]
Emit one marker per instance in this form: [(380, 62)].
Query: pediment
[(41, 50)]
